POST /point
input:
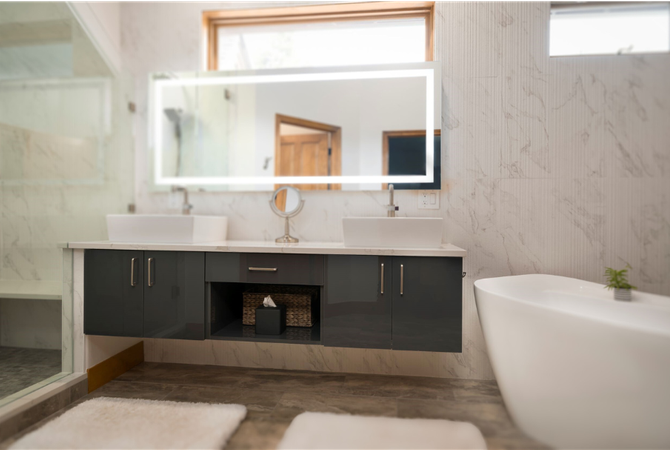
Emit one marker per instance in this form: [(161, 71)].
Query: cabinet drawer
[(282, 268), (264, 268), (223, 267)]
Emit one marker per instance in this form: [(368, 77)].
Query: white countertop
[(322, 248)]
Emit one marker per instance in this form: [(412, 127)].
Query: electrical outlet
[(429, 200)]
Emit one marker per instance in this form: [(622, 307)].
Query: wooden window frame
[(212, 20)]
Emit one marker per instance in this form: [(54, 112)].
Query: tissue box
[(271, 320), (298, 301)]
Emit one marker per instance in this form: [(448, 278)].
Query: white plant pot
[(623, 295)]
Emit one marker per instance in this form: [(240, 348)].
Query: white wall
[(551, 165)]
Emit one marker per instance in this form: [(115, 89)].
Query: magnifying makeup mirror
[(286, 202)]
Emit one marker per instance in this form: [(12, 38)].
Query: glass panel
[(65, 162), (322, 44), (613, 30)]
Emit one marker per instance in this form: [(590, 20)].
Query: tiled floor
[(275, 397), (23, 367)]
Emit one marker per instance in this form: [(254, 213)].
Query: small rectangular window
[(319, 36), (321, 44), (609, 29)]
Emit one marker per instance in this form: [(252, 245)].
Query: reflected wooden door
[(303, 155)]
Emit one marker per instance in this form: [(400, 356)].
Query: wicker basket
[(298, 301)]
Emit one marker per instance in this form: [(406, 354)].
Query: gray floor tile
[(253, 399), (397, 387), (274, 397), (294, 403), (146, 391)]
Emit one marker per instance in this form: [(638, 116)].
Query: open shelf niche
[(225, 306)]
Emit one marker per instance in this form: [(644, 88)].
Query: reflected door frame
[(386, 135), (335, 143)]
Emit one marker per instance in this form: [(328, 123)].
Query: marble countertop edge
[(324, 248)]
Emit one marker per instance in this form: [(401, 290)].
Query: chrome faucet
[(391, 208), (186, 207)]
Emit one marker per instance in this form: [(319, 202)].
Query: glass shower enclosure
[(66, 160)]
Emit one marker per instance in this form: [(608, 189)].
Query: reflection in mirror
[(319, 130), (403, 153), (286, 202), (307, 148)]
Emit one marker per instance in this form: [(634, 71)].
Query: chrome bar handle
[(402, 279), (150, 281), (262, 269), (382, 291), (133, 282)]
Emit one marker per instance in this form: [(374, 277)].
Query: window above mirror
[(342, 34)]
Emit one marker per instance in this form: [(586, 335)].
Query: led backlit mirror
[(356, 128)]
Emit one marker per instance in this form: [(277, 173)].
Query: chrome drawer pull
[(133, 282), (402, 279), (262, 269), (382, 292)]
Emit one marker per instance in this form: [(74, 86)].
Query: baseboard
[(106, 371)]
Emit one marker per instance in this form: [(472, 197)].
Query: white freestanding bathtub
[(576, 368)]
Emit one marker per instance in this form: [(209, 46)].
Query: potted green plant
[(618, 280)]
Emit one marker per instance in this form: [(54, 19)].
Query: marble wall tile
[(577, 122), (471, 40), (309, 357), (550, 165), (637, 230), (472, 127)]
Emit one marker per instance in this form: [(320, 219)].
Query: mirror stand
[(286, 202), (287, 238)]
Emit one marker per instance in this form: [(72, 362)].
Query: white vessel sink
[(169, 229), (392, 232)]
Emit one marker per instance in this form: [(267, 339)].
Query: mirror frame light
[(427, 70)]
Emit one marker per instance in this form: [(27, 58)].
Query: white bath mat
[(337, 431), (116, 423)]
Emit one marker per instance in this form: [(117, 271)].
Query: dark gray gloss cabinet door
[(174, 295), (427, 304), (113, 298), (357, 306)]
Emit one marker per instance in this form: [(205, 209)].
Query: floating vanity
[(400, 299)]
